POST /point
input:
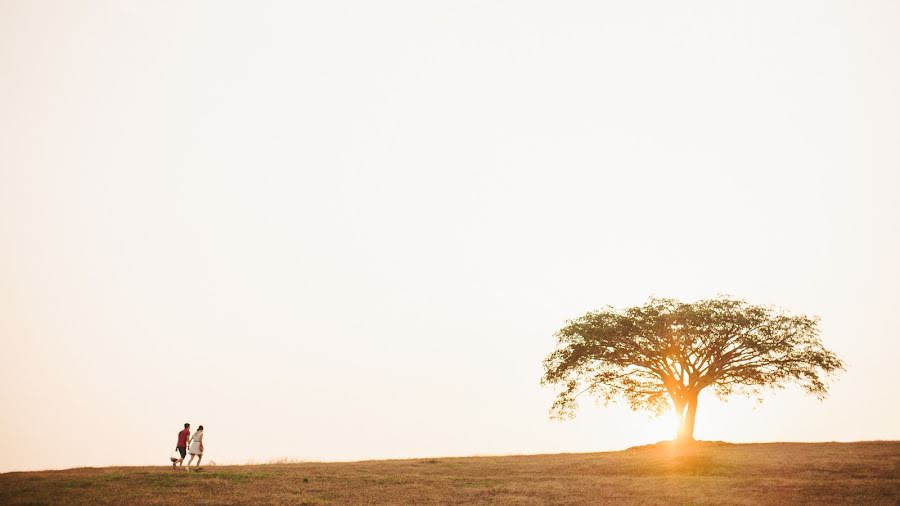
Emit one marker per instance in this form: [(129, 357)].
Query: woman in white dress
[(196, 447)]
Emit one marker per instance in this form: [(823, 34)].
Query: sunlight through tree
[(662, 354)]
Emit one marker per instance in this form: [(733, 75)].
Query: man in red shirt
[(182, 443)]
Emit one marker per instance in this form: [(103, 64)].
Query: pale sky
[(348, 230)]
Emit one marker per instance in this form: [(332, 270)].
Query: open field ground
[(710, 473)]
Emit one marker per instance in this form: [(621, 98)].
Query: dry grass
[(709, 473)]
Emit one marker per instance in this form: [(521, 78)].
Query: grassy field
[(708, 473)]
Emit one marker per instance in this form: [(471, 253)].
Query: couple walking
[(196, 446)]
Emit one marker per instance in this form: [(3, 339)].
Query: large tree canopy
[(665, 352)]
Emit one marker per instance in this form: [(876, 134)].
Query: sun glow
[(654, 429), (344, 230)]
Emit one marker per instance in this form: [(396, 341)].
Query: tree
[(668, 351)]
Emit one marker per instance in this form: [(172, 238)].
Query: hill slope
[(710, 473)]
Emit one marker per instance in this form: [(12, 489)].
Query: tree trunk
[(686, 413), (678, 407), (687, 424)]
